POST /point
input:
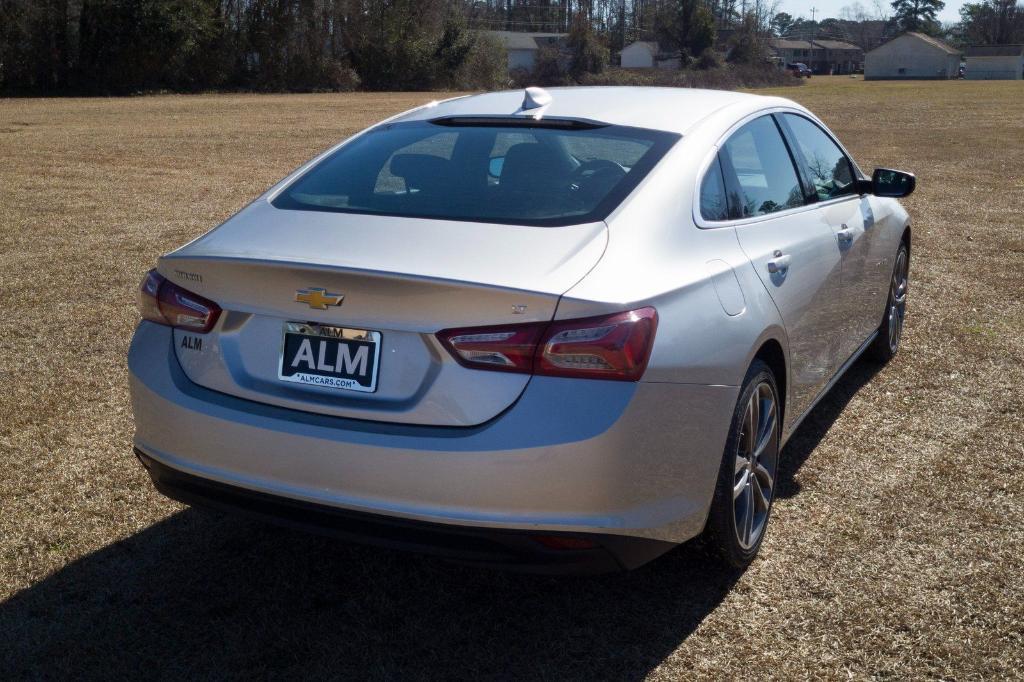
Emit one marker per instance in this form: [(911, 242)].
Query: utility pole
[(814, 10)]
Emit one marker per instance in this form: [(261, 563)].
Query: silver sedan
[(557, 330)]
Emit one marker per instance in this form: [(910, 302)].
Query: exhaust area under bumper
[(518, 550)]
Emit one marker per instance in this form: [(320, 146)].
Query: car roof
[(670, 109)]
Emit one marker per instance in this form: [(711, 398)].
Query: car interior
[(474, 171)]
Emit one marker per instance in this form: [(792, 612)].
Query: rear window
[(519, 174)]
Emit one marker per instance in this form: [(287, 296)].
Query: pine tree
[(588, 54), (688, 27), (917, 15)]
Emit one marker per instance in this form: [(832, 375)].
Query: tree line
[(994, 22), (124, 46), (120, 46), (987, 22)]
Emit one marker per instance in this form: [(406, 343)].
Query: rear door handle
[(778, 263), (845, 235)]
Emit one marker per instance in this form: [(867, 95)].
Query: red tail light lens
[(149, 307), (610, 347), (613, 347), (507, 348), (164, 302)]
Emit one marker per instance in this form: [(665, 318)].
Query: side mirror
[(892, 183)]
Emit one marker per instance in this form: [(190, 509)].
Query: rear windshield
[(495, 173)]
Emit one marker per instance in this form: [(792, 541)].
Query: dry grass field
[(896, 544)]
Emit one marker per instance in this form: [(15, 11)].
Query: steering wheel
[(592, 179)]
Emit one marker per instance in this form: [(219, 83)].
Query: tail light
[(610, 347), (164, 302), (613, 347), (506, 349)]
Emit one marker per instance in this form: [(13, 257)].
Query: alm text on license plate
[(332, 357)]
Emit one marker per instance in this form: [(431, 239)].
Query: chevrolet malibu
[(557, 330)]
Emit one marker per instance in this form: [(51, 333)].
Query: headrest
[(530, 166), (420, 171)]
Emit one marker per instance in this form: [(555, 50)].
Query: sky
[(832, 8)]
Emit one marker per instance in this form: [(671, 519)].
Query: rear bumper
[(599, 458), (510, 549)]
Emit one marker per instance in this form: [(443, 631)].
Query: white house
[(912, 56), (645, 54), (639, 55), (995, 62), (522, 48)]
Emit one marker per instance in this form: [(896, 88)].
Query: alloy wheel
[(756, 464), (898, 300)]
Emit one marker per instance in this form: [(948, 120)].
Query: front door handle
[(778, 263), (845, 235)]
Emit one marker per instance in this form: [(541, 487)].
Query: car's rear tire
[(745, 490), (890, 331)]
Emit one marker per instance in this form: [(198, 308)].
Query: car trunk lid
[(404, 278)]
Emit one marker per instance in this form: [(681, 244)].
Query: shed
[(912, 56), (645, 54), (995, 62), (639, 55), (522, 48)]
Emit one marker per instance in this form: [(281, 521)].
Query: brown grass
[(896, 544)]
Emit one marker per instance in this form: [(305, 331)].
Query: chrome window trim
[(705, 224)]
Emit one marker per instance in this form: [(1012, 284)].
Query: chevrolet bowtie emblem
[(318, 298)]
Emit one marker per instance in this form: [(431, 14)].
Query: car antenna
[(534, 98)]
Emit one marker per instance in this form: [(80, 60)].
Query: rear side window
[(713, 202), (828, 169), (530, 174), (767, 179)]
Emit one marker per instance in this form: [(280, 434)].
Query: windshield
[(521, 174)]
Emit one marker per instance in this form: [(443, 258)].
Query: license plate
[(332, 357)]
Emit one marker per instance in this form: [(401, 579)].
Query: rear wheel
[(746, 481), (890, 332)]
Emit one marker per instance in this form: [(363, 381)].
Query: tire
[(890, 331), (746, 484)]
